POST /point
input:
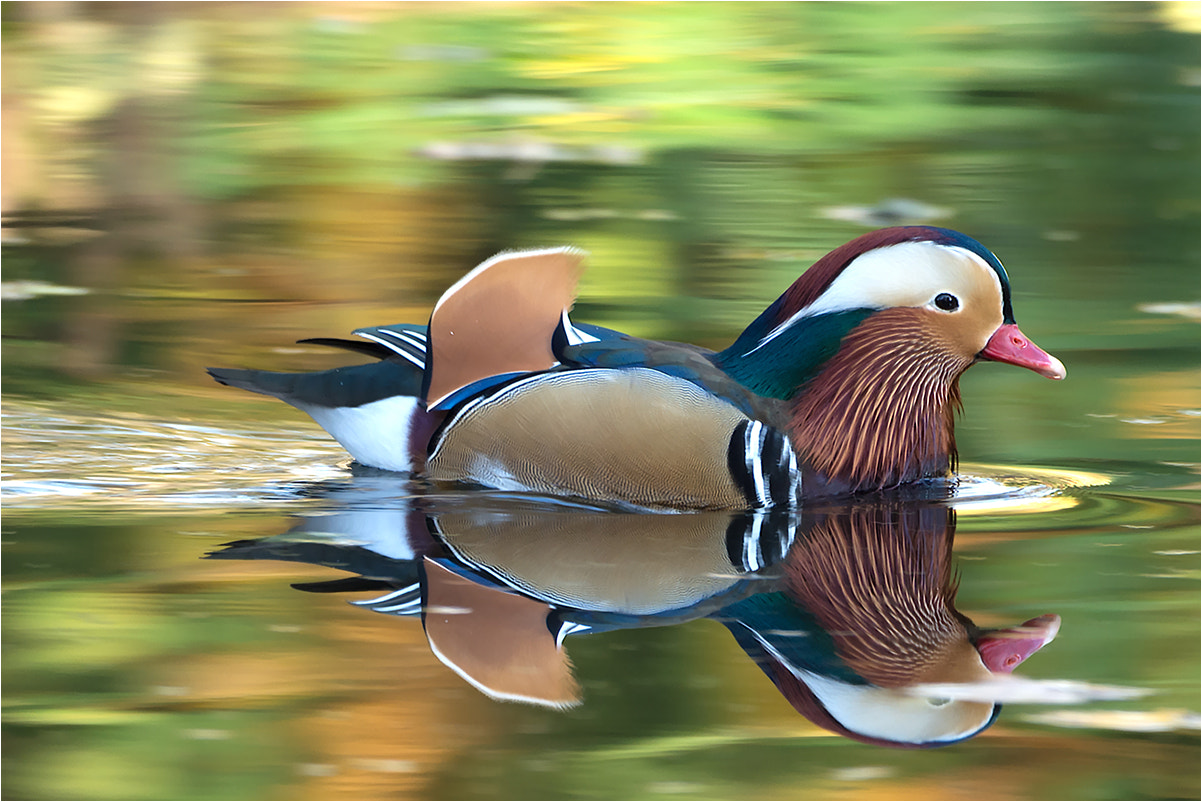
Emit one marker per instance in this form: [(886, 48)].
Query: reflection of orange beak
[(1003, 649), (1011, 346)]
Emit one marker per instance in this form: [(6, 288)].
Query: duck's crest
[(815, 281), (786, 346), (500, 318), (810, 286)]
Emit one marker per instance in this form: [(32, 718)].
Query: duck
[(848, 383)]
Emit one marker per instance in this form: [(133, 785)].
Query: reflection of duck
[(868, 612), (854, 370), (845, 611)]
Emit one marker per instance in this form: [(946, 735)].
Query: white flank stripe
[(753, 449), (788, 463), (751, 545)]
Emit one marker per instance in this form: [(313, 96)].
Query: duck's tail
[(351, 386), (373, 410)]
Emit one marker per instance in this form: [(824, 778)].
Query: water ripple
[(53, 459)]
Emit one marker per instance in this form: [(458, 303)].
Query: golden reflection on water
[(1167, 406), (992, 489)]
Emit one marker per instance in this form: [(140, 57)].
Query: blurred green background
[(192, 184), (180, 162)]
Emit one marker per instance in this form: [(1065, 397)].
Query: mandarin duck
[(848, 382)]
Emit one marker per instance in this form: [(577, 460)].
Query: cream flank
[(518, 438)]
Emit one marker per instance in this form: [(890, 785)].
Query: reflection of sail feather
[(497, 642)]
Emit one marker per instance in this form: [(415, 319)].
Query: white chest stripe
[(753, 448)]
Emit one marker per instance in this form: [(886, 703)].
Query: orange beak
[(1011, 346)]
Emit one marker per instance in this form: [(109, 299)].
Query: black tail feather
[(350, 386), (366, 347), (266, 382), (348, 584)]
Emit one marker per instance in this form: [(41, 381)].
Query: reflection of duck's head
[(867, 614)]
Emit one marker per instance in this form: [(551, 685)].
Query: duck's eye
[(947, 302)]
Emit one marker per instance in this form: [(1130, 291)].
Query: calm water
[(331, 169)]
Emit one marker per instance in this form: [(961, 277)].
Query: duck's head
[(868, 346)]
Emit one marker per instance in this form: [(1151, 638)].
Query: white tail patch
[(376, 434)]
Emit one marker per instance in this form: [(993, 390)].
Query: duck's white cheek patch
[(906, 274), (993, 279)]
